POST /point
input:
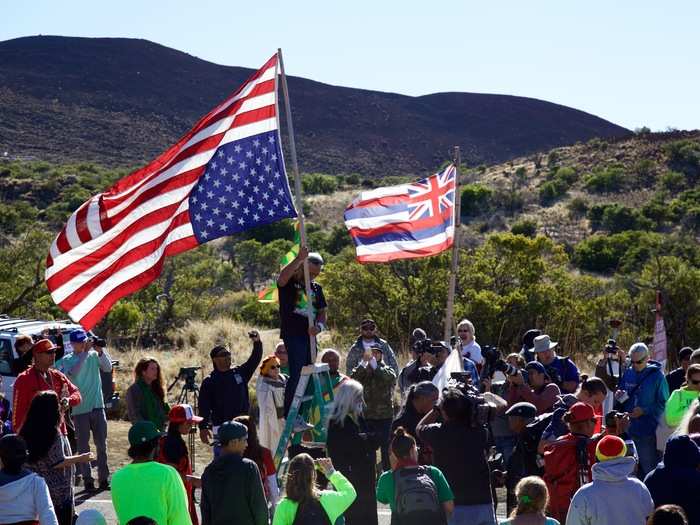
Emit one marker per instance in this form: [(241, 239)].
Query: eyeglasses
[(223, 354)]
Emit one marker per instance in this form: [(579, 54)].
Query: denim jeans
[(299, 355), (96, 422), (473, 515), (648, 455)]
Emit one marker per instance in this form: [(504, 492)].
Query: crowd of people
[(617, 447)]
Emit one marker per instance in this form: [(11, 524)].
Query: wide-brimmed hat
[(542, 343)]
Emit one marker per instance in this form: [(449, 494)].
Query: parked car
[(58, 331)]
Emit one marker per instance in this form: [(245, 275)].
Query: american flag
[(224, 176), (404, 221)]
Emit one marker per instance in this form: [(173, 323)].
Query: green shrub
[(616, 218), (672, 181), (578, 207), (606, 180), (475, 200), (684, 156), (644, 171), (314, 183), (526, 227)]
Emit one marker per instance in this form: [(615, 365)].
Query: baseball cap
[(368, 321), (43, 346), (78, 336), (230, 430), (182, 414), (610, 447), (536, 366), (685, 353), (142, 432), (315, 257), (522, 409), (580, 412), (218, 350)]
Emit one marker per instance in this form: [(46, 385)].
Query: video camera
[(493, 362), (188, 374), (99, 342), (479, 411), (611, 347), (428, 345)]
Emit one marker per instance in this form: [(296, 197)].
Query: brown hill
[(122, 101)]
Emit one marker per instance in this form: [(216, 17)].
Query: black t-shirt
[(293, 320), (675, 379), (459, 452)]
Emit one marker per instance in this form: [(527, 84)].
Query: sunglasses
[(52, 352), (694, 381), (639, 362), (274, 367), (223, 354), (368, 327)]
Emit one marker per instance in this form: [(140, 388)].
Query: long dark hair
[(40, 427), (301, 479), (157, 385), (422, 389), (254, 450), (174, 447)]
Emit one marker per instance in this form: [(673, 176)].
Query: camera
[(611, 347), (494, 363), (478, 411), (187, 372), (99, 342), (428, 345)]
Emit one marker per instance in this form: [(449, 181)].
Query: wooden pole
[(449, 312), (299, 201)]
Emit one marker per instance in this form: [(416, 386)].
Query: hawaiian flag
[(404, 221), (224, 176)]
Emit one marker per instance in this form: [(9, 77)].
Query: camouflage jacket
[(356, 351), (378, 389)]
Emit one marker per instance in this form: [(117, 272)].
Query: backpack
[(311, 513), (567, 466), (416, 498)]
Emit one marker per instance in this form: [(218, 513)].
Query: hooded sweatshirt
[(650, 396), (677, 480), (232, 492), (601, 502), (678, 405), (26, 498)]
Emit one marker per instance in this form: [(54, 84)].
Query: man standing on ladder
[(295, 329)]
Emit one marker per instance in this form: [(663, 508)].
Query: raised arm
[(247, 369), (292, 267)]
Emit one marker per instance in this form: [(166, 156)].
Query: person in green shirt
[(305, 500), (83, 367), (145, 487), (404, 462), (680, 400)]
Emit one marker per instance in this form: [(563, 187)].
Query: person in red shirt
[(172, 451), (39, 377)]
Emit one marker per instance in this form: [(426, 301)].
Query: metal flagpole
[(449, 312), (299, 200)]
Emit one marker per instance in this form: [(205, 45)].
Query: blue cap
[(78, 336), (537, 366)]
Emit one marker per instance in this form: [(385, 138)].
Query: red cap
[(183, 414), (580, 412), (43, 345)]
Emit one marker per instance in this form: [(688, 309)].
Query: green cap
[(142, 431), (231, 430)]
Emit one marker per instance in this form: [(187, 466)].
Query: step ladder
[(313, 401)]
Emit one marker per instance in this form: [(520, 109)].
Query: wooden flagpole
[(449, 312), (299, 201)]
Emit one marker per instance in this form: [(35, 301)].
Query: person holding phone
[(224, 392)]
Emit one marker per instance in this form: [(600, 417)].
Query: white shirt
[(473, 352)]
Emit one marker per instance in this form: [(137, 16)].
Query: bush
[(606, 180), (672, 181), (352, 180), (644, 171), (684, 156), (559, 180), (616, 218), (578, 207), (526, 227), (476, 199), (315, 183)]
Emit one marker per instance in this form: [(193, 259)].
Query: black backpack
[(416, 498), (311, 513)]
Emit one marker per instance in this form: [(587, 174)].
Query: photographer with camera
[(367, 340), (561, 370), (434, 354), (83, 367), (460, 445), (539, 390), (224, 392), (414, 363), (610, 369)]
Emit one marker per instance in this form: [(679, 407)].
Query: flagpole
[(298, 200), (449, 312)]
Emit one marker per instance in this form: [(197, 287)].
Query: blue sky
[(633, 63)]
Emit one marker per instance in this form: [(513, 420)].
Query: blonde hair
[(348, 401), (468, 324), (532, 496)]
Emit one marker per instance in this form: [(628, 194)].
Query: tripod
[(190, 388)]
